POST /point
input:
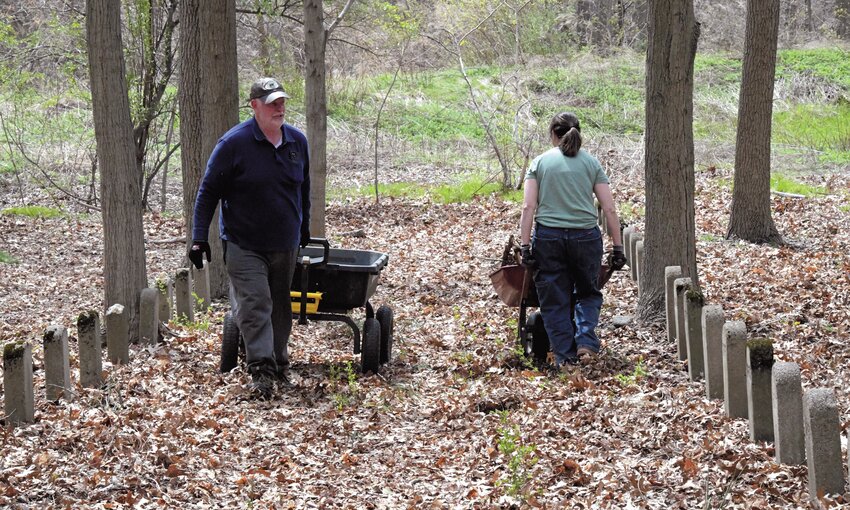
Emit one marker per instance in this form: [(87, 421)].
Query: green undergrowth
[(824, 129), (462, 191), (784, 184), (5, 258), (831, 64), (33, 211)]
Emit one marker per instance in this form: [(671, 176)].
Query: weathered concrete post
[(91, 351), (712, 346), (18, 397), (735, 369), (149, 317), (117, 335), (693, 301), (57, 369), (166, 296), (823, 442), (787, 394), (183, 302), (637, 236), (627, 249), (759, 395), (639, 263), (201, 279), (671, 274), (680, 286)]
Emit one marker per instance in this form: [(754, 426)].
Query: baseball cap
[(267, 89)]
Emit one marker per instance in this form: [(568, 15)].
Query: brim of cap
[(274, 96)]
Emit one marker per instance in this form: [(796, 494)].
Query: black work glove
[(618, 258), (305, 237), (197, 251), (528, 259)]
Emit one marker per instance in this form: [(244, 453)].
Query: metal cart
[(328, 284)]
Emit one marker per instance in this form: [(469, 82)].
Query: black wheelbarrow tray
[(515, 287), (336, 281)]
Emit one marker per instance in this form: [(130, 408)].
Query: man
[(260, 172)]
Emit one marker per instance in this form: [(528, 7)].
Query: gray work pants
[(259, 296)]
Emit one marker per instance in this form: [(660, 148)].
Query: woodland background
[(434, 110)]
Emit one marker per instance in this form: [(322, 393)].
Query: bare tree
[(315, 43), (209, 104), (124, 250), (750, 218), (669, 234)]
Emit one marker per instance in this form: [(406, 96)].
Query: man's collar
[(259, 136)]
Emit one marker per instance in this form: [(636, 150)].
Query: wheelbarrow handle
[(325, 246)]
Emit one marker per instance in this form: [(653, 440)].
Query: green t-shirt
[(565, 188)]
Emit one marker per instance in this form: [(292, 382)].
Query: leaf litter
[(168, 430)]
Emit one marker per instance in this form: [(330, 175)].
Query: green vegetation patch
[(5, 258), (760, 352), (606, 96), (461, 191), (784, 184), (832, 64), (33, 211), (818, 127)]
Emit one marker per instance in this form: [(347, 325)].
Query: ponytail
[(566, 127)]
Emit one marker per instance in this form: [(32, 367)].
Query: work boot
[(284, 377), (262, 383)]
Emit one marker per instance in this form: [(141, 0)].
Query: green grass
[(607, 96), (5, 258), (822, 128), (832, 64), (785, 184), (462, 191), (33, 211)]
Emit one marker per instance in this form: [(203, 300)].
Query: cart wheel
[(370, 351), (385, 318), (230, 344), (539, 338)]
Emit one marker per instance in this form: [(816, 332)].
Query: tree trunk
[(123, 238), (791, 21), (669, 238), (810, 21), (315, 40), (750, 217), (209, 105), (584, 25), (842, 18)]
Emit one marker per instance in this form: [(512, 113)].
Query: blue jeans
[(568, 262)]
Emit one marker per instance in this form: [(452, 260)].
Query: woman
[(567, 250)]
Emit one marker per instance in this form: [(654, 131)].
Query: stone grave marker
[(57, 369)]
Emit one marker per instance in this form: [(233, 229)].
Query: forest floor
[(456, 419)]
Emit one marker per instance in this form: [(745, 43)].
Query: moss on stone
[(14, 350), (760, 352), (87, 320), (695, 296)]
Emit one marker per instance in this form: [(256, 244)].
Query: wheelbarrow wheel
[(539, 338), (385, 319), (230, 344), (370, 352)]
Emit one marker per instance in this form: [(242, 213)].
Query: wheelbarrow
[(514, 285), (327, 285)]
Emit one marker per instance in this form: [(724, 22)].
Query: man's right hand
[(197, 251)]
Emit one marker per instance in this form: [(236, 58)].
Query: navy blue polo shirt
[(264, 191)]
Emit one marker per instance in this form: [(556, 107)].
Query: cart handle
[(325, 252)]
